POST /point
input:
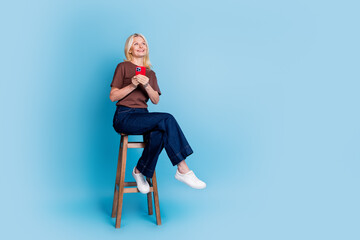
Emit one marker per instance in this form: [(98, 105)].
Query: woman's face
[(138, 48)]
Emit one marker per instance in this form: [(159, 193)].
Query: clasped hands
[(140, 79)]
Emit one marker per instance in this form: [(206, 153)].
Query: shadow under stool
[(122, 187)]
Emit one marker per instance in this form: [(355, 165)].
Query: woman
[(160, 130)]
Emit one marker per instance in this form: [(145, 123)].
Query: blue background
[(266, 92)]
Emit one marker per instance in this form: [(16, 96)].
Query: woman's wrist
[(147, 84), (133, 85)]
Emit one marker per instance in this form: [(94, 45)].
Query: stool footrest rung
[(130, 184), (135, 190), (131, 190), (136, 145)]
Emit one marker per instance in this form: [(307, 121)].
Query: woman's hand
[(134, 80), (144, 80)]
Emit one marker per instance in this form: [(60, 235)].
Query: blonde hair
[(128, 44)]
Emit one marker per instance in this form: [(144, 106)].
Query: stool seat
[(122, 187)]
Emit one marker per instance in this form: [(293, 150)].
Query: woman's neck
[(138, 61)]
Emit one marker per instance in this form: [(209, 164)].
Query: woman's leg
[(166, 134), (161, 130), (183, 167), (147, 162)]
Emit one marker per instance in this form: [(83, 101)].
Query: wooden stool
[(120, 184)]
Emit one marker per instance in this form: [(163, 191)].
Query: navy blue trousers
[(160, 130)]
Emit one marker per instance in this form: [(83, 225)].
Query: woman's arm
[(153, 95), (116, 93)]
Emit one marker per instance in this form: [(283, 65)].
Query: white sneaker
[(190, 179), (142, 184)]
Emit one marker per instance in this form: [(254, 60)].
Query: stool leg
[(156, 200), (150, 207), (115, 201), (121, 181)]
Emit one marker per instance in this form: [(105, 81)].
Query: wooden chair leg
[(149, 200), (120, 185), (115, 200), (121, 182), (156, 200)]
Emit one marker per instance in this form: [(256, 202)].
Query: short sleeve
[(118, 78), (155, 85)]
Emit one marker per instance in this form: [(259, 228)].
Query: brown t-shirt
[(122, 77)]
